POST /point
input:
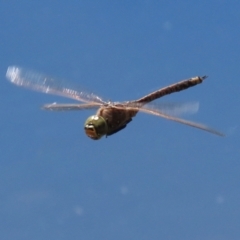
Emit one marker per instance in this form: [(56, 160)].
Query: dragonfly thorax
[(95, 127)]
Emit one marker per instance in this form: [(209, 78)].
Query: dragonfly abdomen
[(177, 87)]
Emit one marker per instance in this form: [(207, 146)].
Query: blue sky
[(154, 180)]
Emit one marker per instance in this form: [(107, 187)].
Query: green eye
[(95, 127)]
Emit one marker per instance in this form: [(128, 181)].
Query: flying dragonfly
[(111, 117)]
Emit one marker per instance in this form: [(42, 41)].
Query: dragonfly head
[(95, 127)]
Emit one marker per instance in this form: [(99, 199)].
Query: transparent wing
[(71, 106), (39, 82), (158, 113), (174, 109), (163, 110)]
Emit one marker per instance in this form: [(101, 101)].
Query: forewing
[(67, 107), (39, 82)]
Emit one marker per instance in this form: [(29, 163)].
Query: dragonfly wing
[(173, 109), (39, 82), (67, 107), (179, 120)]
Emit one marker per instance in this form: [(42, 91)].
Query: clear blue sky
[(154, 180)]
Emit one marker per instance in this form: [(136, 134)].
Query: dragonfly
[(111, 117)]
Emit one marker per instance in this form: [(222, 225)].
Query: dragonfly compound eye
[(95, 127)]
